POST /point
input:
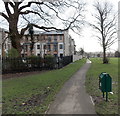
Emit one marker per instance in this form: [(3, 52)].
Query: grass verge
[(92, 86), (33, 94)]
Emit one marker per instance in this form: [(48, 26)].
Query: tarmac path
[(73, 99)]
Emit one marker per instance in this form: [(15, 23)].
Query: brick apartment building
[(45, 43), (49, 43)]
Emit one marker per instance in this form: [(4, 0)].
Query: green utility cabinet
[(105, 82)]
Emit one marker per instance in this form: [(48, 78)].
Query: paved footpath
[(73, 99)]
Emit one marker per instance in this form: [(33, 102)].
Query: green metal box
[(105, 82)]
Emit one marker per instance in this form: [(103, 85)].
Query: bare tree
[(45, 11), (105, 25), (81, 51)]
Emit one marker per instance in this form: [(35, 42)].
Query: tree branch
[(94, 26), (4, 16), (23, 30), (48, 28), (55, 12), (4, 40), (11, 4), (111, 43), (29, 4), (7, 8), (28, 11)]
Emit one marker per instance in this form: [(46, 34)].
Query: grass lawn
[(92, 86), (33, 94)]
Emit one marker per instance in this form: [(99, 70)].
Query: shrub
[(49, 61), (13, 53), (13, 65), (34, 61)]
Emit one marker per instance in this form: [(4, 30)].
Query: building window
[(9, 46), (49, 48), (61, 46), (49, 39), (22, 55), (55, 38), (61, 55), (37, 37), (38, 46), (55, 47), (60, 37), (38, 55), (44, 47)]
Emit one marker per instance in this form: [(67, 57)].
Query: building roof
[(36, 32), (46, 33)]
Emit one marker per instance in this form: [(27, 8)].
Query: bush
[(49, 61), (13, 65), (34, 61), (18, 64), (13, 53)]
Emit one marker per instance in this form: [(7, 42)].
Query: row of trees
[(46, 13)]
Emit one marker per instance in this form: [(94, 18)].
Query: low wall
[(77, 57)]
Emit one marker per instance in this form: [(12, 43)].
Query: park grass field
[(33, 94), (92, 86)]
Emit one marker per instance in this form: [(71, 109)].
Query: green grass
[(92, 86), (33, 94)]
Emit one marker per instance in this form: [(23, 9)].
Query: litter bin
[(105, 83)]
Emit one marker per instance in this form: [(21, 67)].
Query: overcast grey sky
[(86, 40)]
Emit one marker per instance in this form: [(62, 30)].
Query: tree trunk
[(14, 34), (105, 60), (15, 40), (32, 45), (3, 51)]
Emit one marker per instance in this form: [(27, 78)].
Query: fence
[(16, 65)]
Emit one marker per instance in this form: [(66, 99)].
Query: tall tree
[(45, 12), (105, 25), (81, 51)]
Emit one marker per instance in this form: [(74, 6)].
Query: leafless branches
[(50, 12), (46, 12)]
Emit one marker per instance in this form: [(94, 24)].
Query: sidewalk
[(73, 99)]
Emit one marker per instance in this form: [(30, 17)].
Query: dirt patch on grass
[(32, 105), (35, 100), (97, 99)]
